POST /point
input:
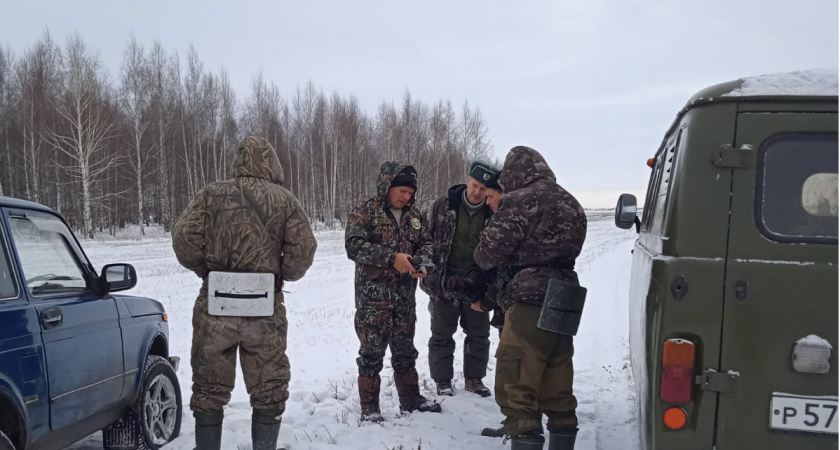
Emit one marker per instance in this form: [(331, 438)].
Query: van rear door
[(778, 380)]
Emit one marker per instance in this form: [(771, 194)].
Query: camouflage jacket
[(373, 239), (249, 223), (442, 220), (537, 233)]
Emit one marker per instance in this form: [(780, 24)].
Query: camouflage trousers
[(261, 343), (534, 374), (380, 325), (476, 325)]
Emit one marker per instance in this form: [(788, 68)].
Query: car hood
[(142, 306)]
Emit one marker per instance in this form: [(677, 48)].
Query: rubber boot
[(562, 439), (265, 426), (531, 440), (208, 429)]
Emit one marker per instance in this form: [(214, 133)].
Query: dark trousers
[(476, 326)]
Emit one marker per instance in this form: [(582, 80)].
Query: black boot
[(265, 426), (562, 439), (494, 432), (208, 430), (408, 389), (530, 440), (264, 436)]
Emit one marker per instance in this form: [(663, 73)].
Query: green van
[(733, 299)]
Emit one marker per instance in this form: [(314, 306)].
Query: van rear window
[(797, 188)]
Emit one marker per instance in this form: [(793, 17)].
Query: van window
[(665, 173), (797, 188)]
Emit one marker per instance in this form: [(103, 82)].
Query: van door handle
[(51, 318)]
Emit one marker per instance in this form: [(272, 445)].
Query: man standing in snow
[(383, 234), (457, 285), (245, 234), (533, 241), (494, 197)]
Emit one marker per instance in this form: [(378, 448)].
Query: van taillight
[(677, 371)]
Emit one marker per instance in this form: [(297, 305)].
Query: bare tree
[(6, 63), (37, 76), (86, 127), (137, 150), (135, 101)]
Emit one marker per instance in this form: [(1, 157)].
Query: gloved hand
[(472, 284), (460, 285), (498, 320)]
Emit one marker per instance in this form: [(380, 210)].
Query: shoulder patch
[(415, 223)]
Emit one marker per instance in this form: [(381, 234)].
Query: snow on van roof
[(818, 82)]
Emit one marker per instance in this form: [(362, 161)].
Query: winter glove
[(472, 284), (498, 320)]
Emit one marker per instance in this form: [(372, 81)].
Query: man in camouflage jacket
[(457, 285), (382, 235), (536, 235), (248, 223)]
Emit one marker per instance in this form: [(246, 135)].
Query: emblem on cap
[(486, 176)]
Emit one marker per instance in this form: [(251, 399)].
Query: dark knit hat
[(493, 182), (481, 171), (407, 178)]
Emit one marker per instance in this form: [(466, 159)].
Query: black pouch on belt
[(562, 307)]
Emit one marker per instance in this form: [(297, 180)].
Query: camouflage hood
[(256, 158), (524, 166), (387, 172)]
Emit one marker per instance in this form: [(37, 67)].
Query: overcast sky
[(592, 84)]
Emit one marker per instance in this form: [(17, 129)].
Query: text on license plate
[(803, 413)]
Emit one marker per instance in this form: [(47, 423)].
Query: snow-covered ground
[(323, 408)]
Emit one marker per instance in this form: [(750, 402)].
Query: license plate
[(803, 413)]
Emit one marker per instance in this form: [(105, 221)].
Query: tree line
[(133, 148)]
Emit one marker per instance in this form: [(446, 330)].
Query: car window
[(797, 188), (46, 258), (8, 284)]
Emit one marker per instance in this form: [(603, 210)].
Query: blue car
[(75, 359)]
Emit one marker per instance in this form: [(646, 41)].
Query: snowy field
[(323, 408)]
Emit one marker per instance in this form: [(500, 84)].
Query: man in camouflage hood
[(457, 286), (247, 224), (382, 235), (536, 235)]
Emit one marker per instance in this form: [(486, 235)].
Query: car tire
[(5, 443), (159, 408)]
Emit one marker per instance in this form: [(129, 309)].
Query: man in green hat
[(457, 286)]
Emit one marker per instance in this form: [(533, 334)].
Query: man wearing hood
[(249, 225), (535, 236), (382, 235), (457, 286)]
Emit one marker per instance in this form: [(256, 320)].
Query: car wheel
[(5, 443), (159, 406)]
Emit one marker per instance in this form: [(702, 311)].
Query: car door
[(80, 332), (22, 370), (780, 301)]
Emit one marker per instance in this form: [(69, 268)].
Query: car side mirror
[(118, 277), (625, 213)]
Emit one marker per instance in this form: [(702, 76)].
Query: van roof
[(806, 83)]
